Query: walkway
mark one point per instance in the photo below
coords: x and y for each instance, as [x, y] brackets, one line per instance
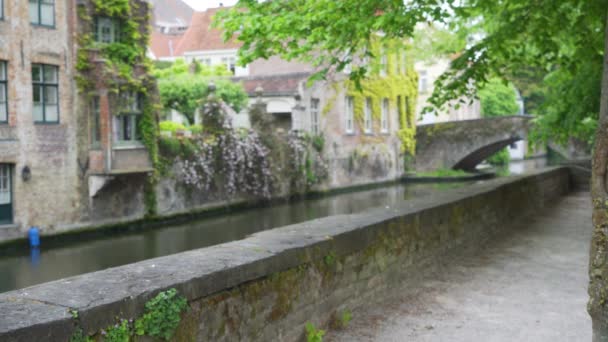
[527, 285]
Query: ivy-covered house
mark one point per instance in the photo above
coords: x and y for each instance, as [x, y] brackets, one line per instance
[367, 133]
[76, 110]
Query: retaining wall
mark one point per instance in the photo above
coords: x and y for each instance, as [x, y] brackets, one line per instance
[266, 287]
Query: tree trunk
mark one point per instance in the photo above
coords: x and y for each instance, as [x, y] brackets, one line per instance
[598, 257]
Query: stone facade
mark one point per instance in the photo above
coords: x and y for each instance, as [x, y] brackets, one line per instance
[49, 150]
[58, 154]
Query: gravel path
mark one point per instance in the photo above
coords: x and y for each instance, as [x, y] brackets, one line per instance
[529, 284]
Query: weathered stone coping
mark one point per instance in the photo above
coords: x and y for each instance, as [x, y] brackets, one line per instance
[42, 312]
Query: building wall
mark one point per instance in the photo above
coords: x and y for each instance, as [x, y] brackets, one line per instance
[50, 197]
[428, 73]
[217, 57]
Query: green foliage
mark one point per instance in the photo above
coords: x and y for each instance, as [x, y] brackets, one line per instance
[500, 158]
[330, 259]
[79, 336]
[318, 142]
[443, 173]
[162, 315]
[120, 332]
[345, 319]
[313, 334]
[519, 40]
[170, 126]
[186, 93]
[570, 108]
[498, 99]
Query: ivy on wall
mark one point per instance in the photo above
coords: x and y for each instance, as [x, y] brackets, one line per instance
[399, 86]
[125, 68]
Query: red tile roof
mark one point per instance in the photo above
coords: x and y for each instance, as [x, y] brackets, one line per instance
[202, 37]
[285, 84]
[164, 45]
[176, 12]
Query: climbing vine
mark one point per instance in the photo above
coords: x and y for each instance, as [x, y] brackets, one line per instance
[399, 85]
[161, 318]
[122, 67]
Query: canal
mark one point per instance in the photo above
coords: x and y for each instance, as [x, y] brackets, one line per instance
[26, 269]
[19, 271]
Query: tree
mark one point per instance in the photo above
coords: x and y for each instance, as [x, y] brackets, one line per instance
[519, 34]
[498, 99]
[184, 87]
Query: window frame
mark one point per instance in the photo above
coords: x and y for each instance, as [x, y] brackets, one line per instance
[39, 6]
[115, 27]
[95, 123]
[349, 104]
[368, 108]
[43, 86]
[315, 127]
[384, 110]
[1, 10]
[130, 109]
[383, 63]
[423, 76]
[4, 83]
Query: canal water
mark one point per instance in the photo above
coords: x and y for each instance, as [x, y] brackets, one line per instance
[19, 271]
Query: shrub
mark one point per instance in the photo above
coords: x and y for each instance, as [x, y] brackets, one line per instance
[170, 126]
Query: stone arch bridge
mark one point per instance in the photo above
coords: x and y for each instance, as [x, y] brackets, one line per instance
[464, 144]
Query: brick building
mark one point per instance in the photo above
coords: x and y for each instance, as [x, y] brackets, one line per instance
[55, 140]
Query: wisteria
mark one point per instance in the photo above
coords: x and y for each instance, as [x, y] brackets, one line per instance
[235, 161]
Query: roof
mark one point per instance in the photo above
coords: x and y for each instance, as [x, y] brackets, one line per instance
[285, 84]
[200, 36]
[174, 12]
[164, 45]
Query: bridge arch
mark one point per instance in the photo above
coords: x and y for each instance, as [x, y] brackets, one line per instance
[465, 144]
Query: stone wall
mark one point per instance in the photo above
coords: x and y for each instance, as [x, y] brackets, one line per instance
[268, 286]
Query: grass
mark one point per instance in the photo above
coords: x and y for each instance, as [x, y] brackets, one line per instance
[443, 173]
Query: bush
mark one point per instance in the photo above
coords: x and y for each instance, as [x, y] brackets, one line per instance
[501, 157]
[170, 126]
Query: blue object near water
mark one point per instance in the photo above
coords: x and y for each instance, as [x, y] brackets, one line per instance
[34, 237]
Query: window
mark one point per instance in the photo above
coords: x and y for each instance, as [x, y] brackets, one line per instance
[408, 112]
[403, 63]
[46, 93]
[1, 9]
[350, 115]
[314, 116]
[383, 63]
[368, 116]
[42, 12]
[107, 30]
[423, 82]
[206, 61]
[384, 116]
[95, 124]
[3, 93]
[230, 63]
[127, 121]
[6, 194]
[399, 111]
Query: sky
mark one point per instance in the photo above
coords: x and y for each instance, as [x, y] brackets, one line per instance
[201, 5]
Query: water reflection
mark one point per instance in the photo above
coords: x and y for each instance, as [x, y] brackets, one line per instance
[45, 265]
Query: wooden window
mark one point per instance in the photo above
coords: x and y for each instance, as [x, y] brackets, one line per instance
[384, 116]
[107, 30]
[3, 93]
[367, 122]
[42, 12]
[350, 115]
[126, 123]
[314, 116]
[45, 80]
[6, 194]
[95, 122]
